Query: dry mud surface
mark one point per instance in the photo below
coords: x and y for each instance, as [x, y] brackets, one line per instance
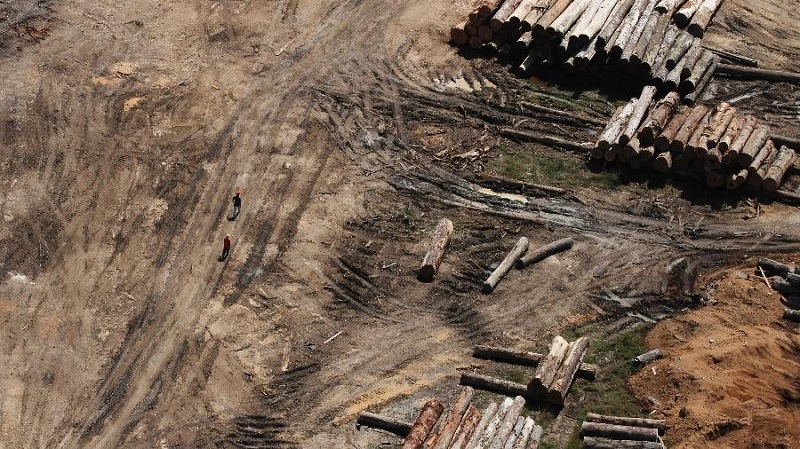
[125, 127]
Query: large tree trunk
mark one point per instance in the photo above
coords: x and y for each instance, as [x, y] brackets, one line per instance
[763, 154]
[515, 433]
[545, 251]
[685, 13]
[701, 148]
[736, 179]
[503, 13]
[525, 358]
[658, 118]
[670, 36]
[638, 53]
[433, 258]
[466, 428]
[493, 384]
[690, 60]
[773, 267]
[488, 414]
[778, 169]
[682, 44]
[536, 437]
[639, 111]
[540, 7]
[572, 37]
[506, 426]
[568, 18]
[664, 141]
[448, 429]
[616, 125]
[792, 315]
[633, 39]
[627, 28]
[547, 370]
[606, 443]
[519, 14]
[695, 91]
[659, 424]
[591, 29]
[596, 429]
[556, 9]
[615, 19]
[488, 7]
[755, 179]
[702, 17]
[754, 143]
[695, 118]
[396, 426]
[505, 266]
[656, 40]
[566, 373]
[422, 427]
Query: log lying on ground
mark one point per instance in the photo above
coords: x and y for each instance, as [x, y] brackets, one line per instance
[566, 373]
[647, 357]
[525, 358]
[639, 110]
[422, 427]
[536, 437]
[546, 371]
[503, 13]
[754, 179]
[754, 143]
[773, 267]
[616, 17]
[692, 57]
[498, 440]
[757, 74]
[448, 429]
[730, 134]
[487, 416]
[792, 315]
[659, 35]
[524, 435]
[396, 426]
[733, 57]
[613, 431]
[658, 118]
[695, 93]
[659, 424]
[777, 170]
[494, 423]
[520, 186]
[466, 428]
[493, 384]
[545, 139]
[519, 14]
[512, 438]
[607, 443]
[682, 44]
[732, 155]
[783, 286]
[702, 17]
[616, 125]
[636, 34]
[539, 9]
[684, 14]
[688, 128]
[433, 258]
[505, 266]
[715, 122]
[545, 251]
[590, 29]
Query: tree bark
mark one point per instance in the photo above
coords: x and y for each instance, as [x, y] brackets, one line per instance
[630, 151]
[396, 426]
[487, 415]
[763, 154]
[688, 127]
[616, 125]
[556, 9]
[627, 28]
[544, 252]
[544, 139]
[639, 110]
[733, 130]
[466, 428]
[685, 13]
[536, 437]
[520, 12]
[615, 19]
[678, 50]
[702, 17]
[606, 443]
[422, 427]
[717, 118]
[503, 13]
[758, 74]
[600, 18]
[648, 356]
[573, 35]
[433, 258]
[564, 22]
[515, 433]
[525, 434]
[659, 424]
[736, 179]
[754, 143]
[720, 126]
[657, 38]
[755, 179]
[547, 370]
[633, 39]
[659, 117]
[566, 373]
[778, 169]
[525, 358]
[494, 424]
[747, 123]
[691, 58]
[458, 35]
[668, 7]
[617, 432]
[493, 384]
[448, 429]
[498, 441]
[699, 87]
[637, 55]
[540, 7]
[663, 162]
[505, 266]
[670, 37]
[664, 141]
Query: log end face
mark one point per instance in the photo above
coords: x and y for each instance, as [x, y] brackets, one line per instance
[426, 273]
[486, 288]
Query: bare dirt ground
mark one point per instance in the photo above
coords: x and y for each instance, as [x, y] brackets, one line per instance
[126, 128]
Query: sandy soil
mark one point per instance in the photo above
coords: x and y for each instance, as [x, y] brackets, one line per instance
[126, 127]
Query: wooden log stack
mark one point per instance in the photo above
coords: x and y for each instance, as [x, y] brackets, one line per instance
[605, 432]
[600, 38]
[557, 370]
[719, 146]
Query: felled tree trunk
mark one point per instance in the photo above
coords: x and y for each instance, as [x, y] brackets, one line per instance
[505, 266]
[664, 140]
[488, 415]
[493, 384]
[659, 424]
[547, 370]
[778, 169]
[735, 147]
[525, 358]
[422, 427]
[568, 18]
[773, 267]
[525, 434]
[544, 252]
[682, 44]
[448, 429]
[659, 116]
[607, 443]
[754, 143]
[616, 125]
[507, 424]
[503, 13]
[396, 426]
[759, 74]
[458, 35]
[702, 17]
[617, 16]
[566, 373]
[466, 428]
[792, 315]
[763, 154]
[663, 162]
[491, 428]
[685, 13]
[733, 130]
[547, 19]
[433, 258]
[695, 118]
[488, 7]
[596, 429]
[627, 28]
[640, 109]
[720, 126]
[656, 40]
[636, 34]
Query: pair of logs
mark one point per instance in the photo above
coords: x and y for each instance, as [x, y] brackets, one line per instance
[493, 384]
[525, 358]
[659, 424]
[422, 427]
[555, 373]
[619, 432]
[449, 428]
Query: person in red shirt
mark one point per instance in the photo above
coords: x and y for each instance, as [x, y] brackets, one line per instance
[226, 247]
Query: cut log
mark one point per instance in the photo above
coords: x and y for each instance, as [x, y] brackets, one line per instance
[668, 7]
[639, 110]
[556, 9]
[448, 429]
[659, 424]
[663, 162]
[572, 36]
[696, 116]
[458, 35]
[616, 125]
[505, 266]
[747, 124]
[433, 258]
[545, 139]
[720, 126]
[487, 415]
[540, 7]
[792, 315]
[525, 434]
[525, 358]
[758, 74]
[564, 22]
[702, 17]
[488, 7]
[754, 143]
[536, 437]
[631, 151]
[608, 443]
[396, 426]
[732, 57]
[633, 39]
[491, 428]
[755, 179]
[777, 170]
[617, 432]
[466, 428]
[524, 42]
[763, 154]
[714, 122]
[783, 286]
[735, 180]
[656, 40]
[690, 59]
[679, 48]
[493, 384]
[547, 370]
[422, 427]
[731, 132]
[664, 140]
[544, 252]
[658, 118]
[615, 19]
[599, 19]
[637, 55]
[701, 84]
[647, 357]
[627, 28]
[522, 10]
[566, 372]
[515, 433]
[506, 426]
[647, 154]
[773, 267]
[503, 13]
[673, 78]
[663, 50]
[685, 13]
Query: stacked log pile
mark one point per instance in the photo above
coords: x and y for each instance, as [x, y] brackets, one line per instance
[785, 280]
[555, 373]
[718, 145]
[600, 37]
[498, 426]
[605, 432]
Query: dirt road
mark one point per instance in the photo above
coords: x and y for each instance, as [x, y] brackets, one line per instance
[128, 127]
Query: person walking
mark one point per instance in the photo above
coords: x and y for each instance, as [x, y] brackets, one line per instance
[237, 205]
[226, 247]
